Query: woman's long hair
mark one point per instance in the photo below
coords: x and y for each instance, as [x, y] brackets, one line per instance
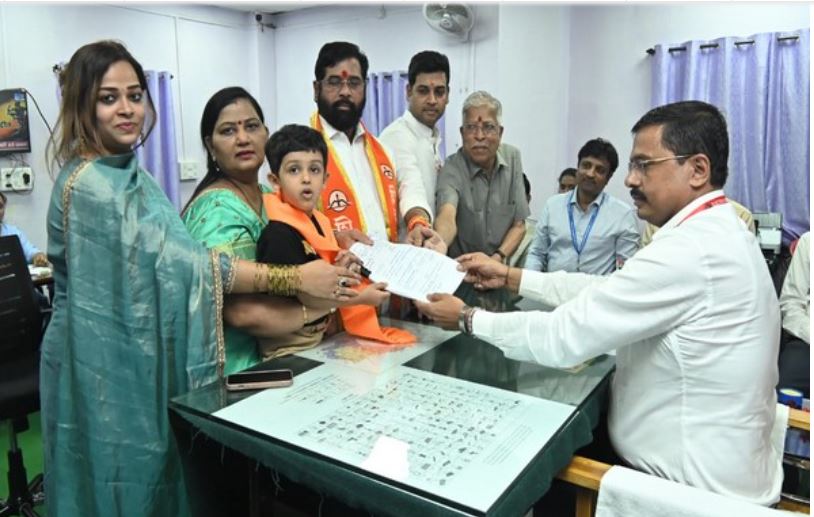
[211, 112]
[76, 131]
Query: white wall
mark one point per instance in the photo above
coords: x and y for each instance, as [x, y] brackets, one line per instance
[205, 48]
[534, 64]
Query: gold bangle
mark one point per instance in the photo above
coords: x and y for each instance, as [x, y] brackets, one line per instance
[258, 278]
[282, 280]
[304, 316]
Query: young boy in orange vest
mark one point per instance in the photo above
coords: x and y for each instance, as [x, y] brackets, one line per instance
[298, 233]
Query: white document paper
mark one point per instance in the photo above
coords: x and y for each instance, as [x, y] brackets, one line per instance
[462, 441]
[409, 271]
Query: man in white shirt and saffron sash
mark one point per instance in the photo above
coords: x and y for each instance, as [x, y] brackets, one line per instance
[693, 316]
[363, 191]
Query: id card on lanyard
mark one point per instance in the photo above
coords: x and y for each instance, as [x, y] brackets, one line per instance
[581, 246]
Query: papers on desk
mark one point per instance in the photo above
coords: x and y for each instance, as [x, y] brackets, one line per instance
[462, 441]
[409, 271]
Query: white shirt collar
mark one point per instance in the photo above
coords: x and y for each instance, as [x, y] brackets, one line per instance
[687, 210]
[418, 127]
[333, 132]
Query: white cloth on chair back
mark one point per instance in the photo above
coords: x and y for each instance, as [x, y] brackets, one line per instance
[624, 492]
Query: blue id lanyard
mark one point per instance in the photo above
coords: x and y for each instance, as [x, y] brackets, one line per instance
[581, 246]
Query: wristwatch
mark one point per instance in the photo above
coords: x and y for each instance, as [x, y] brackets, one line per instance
[462, 319]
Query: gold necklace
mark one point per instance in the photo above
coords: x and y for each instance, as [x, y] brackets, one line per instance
[245, 196]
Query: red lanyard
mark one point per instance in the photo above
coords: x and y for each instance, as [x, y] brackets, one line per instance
[720, 200]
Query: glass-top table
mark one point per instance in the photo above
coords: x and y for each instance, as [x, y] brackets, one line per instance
[377, 428]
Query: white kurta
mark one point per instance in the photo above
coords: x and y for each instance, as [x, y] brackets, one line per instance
[416, 149]
[696, 322]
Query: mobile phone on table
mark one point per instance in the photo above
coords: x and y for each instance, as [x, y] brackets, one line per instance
[259, 379]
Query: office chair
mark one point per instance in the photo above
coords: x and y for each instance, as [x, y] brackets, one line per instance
[20, 337]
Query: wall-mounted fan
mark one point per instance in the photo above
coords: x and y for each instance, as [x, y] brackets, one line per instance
[453, 19]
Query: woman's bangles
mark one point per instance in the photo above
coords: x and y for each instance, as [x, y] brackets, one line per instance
[277, 280]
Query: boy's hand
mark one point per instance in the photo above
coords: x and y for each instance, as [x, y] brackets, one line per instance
[346, 238]
[375, 294]
[347, 259]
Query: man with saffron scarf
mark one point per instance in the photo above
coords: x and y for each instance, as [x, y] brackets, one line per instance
[362, 191]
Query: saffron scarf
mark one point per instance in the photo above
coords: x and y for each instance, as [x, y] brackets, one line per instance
[358, 320]
[338, 199]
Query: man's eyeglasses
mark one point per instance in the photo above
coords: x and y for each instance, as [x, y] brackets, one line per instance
[487, 129]
[642, 165]
[334, 83]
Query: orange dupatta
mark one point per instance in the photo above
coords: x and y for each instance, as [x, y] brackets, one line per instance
[338, 199]
[358, 320]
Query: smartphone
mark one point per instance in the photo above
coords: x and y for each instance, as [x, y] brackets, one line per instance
[259, 379]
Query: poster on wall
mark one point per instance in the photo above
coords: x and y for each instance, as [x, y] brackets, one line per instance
[14, 133]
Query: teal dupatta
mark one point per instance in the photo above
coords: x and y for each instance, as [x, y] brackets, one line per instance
[136, 321]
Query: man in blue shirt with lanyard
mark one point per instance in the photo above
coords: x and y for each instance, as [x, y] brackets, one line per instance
[586, 230]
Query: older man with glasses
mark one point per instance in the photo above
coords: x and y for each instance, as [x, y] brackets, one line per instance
[693, 318]
[480, 198]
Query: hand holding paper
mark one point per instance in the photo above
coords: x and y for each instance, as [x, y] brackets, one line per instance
[409, 271]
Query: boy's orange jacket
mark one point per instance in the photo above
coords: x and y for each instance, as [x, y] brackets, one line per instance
[358, 320]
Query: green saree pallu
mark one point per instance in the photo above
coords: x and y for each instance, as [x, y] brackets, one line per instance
[136, 321]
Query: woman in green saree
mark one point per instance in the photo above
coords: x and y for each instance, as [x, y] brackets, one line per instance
[137, 307]
[226, 213]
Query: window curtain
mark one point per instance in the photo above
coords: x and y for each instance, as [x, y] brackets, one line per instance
[387, 101]
[159, 154]
[761, 84]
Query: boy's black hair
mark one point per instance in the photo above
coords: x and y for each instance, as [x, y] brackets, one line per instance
[290, 139]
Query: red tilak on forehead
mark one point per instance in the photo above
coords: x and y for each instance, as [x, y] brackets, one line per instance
[344, 74]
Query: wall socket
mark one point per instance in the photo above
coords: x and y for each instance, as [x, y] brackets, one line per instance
[188, 170]
[14, 179]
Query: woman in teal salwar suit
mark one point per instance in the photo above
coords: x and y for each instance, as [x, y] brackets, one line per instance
[137, 307]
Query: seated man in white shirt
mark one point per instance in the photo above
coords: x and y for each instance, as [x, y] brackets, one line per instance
[414, 137]
[363, 192]
[795, 309]
[586, 230]
[693, 317]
